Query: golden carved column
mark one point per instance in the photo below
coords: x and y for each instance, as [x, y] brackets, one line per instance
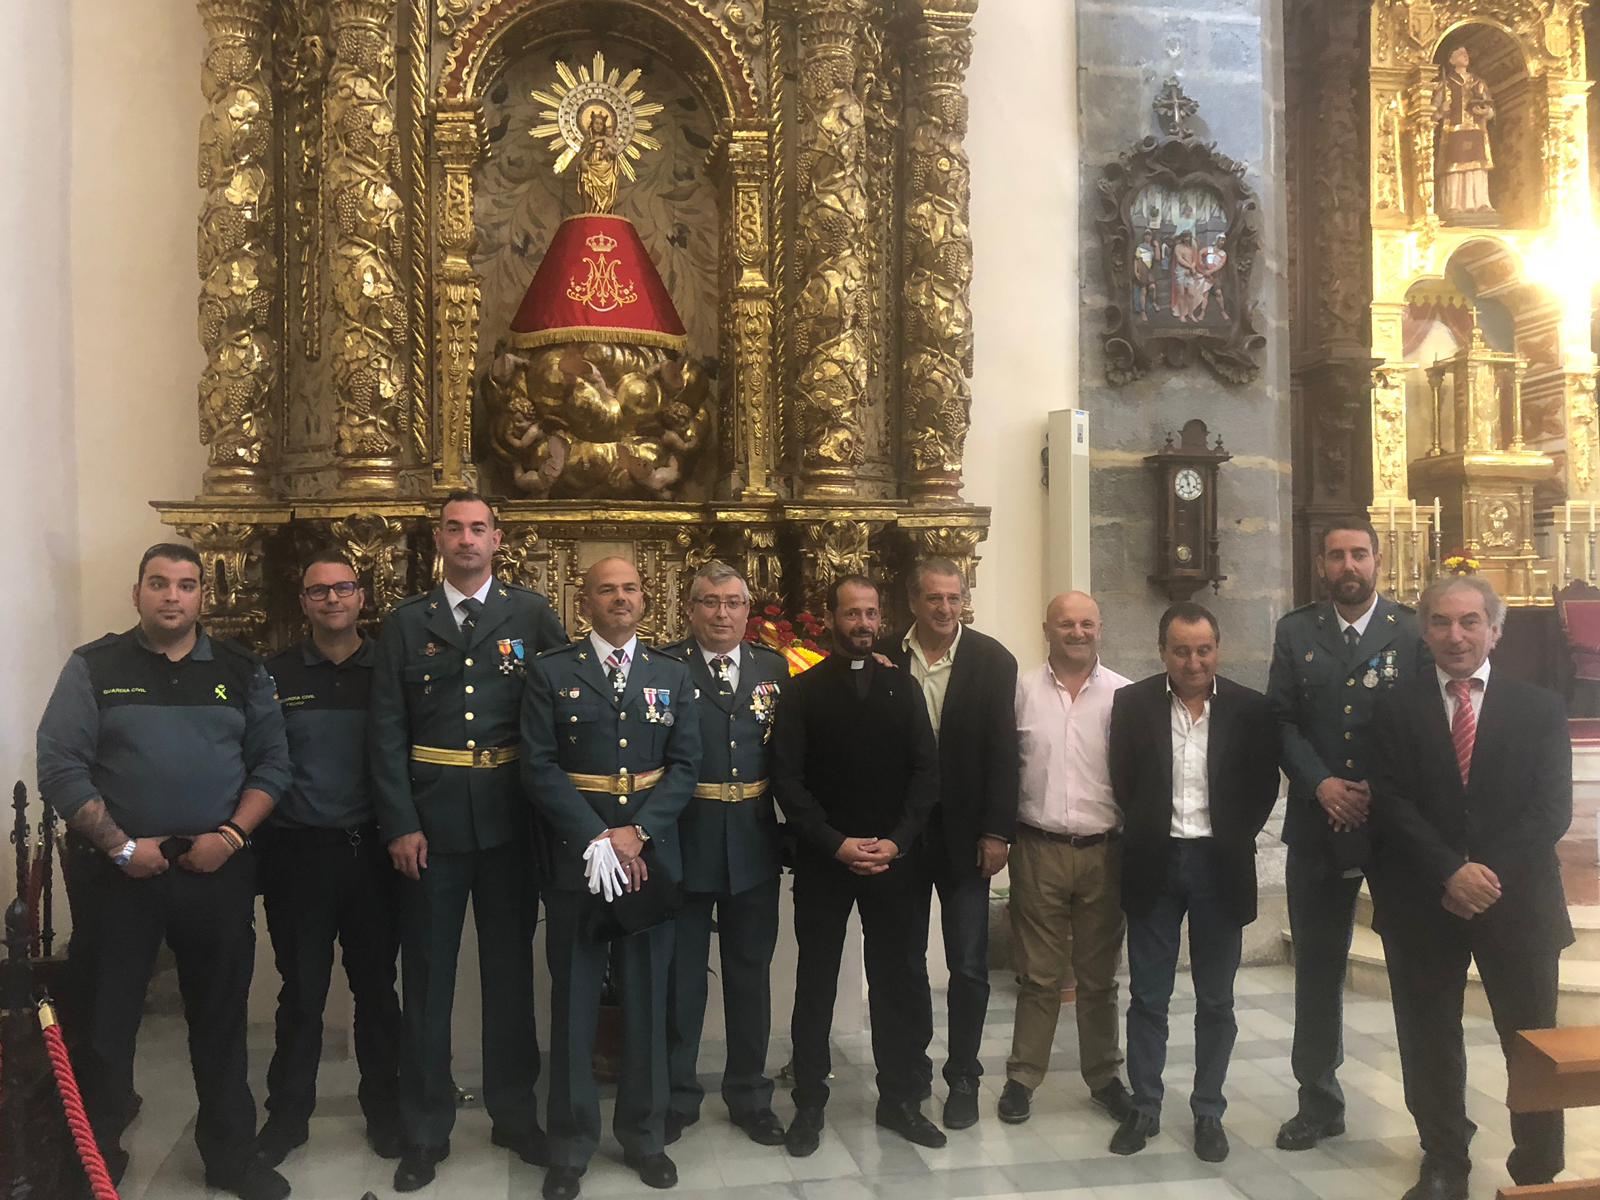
[752, 289]
[459, 142]
[238, 262]
[233, 595]
[370, 321]
[828, 550]
[830, 333]
[936, 361]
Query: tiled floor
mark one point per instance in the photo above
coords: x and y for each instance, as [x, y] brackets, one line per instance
[1060, 1153]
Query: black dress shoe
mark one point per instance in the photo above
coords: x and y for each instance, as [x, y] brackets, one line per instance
[906, 1119]
[562, 1183]
[277, 1138]
[1210, 1142]
[677, 1122]
[253, 1181]
[1114, 1098]
[961, 1105]
[416, 1168]
[762, 1127]
[804, 1134]
[531, 1147]
[1436, 1184]
[1134, 1132]
[655, 1170]
[1301, 1132]
[1016, 1103]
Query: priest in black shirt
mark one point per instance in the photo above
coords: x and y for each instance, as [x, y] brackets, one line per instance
[856, 772]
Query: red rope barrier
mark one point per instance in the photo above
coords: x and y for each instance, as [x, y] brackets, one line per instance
[94, 1166]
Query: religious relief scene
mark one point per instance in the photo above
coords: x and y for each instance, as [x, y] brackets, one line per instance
[802, 600]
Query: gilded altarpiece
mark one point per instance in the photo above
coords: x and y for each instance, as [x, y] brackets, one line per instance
[1444, 247]
[373, 204]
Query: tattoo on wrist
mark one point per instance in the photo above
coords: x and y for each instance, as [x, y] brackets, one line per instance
[94, 823]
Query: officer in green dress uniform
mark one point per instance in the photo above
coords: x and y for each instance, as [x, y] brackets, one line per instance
[1330, 663]
[442, 735]
[611, 755]
[731, 860]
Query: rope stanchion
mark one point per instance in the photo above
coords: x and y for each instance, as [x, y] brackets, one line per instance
[94, 1166]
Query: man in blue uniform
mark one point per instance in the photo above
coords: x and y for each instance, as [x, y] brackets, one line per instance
[1331, 662]
[731, 863]
[163, 749]
[442, 731]
[325, 876]
[611, 755]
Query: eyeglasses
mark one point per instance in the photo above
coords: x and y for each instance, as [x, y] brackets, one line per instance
[712, 603]
[344, 589]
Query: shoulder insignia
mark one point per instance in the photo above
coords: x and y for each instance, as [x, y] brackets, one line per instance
[105, 639]
[410, 600]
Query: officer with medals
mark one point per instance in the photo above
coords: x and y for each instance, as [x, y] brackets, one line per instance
[730, 838]
[611, 756]
[1330, 663]
[442, 735]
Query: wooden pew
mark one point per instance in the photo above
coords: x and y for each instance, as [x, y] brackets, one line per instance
[1552, 1069]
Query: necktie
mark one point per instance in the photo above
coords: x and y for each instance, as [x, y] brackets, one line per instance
[615, 661]
[471, 609]
[1463, 726]
[1352, 636]
[720, 664]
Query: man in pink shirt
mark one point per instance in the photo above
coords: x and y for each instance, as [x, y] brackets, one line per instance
[1066, 862]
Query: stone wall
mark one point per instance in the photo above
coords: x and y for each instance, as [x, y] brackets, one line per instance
[1228, 55]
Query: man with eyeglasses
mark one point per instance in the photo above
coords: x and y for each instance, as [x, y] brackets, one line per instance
[325, 875]
[442, 737]
[729, 835]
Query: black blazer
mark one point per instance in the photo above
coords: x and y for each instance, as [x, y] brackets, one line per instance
[1517, 806]
[1241, 773]
[978, 757]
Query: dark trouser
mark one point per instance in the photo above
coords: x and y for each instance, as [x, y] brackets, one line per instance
[964, 918]
[322, 886]
[208, 920]
[897, 973]
[1215, 943]
[1428, 978]
[642, 962]
[505, 908]
[747, 933]
[1322, 916]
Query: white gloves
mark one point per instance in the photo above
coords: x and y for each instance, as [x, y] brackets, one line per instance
[603, 869]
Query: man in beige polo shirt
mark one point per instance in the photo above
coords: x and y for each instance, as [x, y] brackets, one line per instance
[1066, 862]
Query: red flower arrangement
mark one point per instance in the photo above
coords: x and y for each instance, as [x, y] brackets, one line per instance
[804, 647]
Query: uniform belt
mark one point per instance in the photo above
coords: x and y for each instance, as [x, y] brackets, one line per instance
[1078, 841]
[621, 784]
[731, 792]
[492, 756]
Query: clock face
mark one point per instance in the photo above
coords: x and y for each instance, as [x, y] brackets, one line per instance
[1186, 484]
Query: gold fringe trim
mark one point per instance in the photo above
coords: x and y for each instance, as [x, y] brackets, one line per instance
[599, 333]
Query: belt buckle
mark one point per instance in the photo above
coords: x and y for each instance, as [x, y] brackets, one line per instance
[486, 758]
[735, 790]
[624, 784]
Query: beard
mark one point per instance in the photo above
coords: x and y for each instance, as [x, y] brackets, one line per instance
[1352, 589]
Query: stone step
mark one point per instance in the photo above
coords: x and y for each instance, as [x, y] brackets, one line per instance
[1585, 927]
[1580, 982]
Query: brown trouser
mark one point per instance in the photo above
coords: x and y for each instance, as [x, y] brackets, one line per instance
[1065, 900]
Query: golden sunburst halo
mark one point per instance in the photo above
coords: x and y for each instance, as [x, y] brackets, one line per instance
[575, 95]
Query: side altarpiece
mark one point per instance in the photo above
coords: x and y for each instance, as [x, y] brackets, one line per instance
[372, 195]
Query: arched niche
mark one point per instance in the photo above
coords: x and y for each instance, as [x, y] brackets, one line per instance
[1483, 284]
[1516, 181]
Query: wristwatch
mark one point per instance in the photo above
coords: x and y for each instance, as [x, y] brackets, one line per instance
[639, 830]
[124, 856]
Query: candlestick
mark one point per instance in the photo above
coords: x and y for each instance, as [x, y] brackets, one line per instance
[1568, 508]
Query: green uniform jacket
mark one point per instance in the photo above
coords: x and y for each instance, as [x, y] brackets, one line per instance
[432, 687]
[730, 847]
[571, 721]
[1324, 694]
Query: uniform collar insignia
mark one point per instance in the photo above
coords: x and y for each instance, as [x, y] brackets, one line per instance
[583, 656]
[503, 592]
[433, 606]
[1389, 617]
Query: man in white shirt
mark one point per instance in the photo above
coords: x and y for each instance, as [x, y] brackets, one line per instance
[1066, 863]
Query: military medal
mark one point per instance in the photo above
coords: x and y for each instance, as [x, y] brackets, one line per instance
[1309, 655]
[1370, 679]
[431, 648]
[650, 711]
[1391, 670]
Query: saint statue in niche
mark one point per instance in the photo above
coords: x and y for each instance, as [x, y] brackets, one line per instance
[597, 161]
[1465, 158]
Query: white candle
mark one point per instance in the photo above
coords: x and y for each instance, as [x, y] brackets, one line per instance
[1569, 515]
[1436, 526]
[1413, 518]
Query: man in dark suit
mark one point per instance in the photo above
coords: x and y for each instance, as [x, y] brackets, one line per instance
[611, 754]
[442, 740]
[856, 771]
[1471, 791]
[969, 682]
[1331, 662]
[731, 860]
[1194, 768]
